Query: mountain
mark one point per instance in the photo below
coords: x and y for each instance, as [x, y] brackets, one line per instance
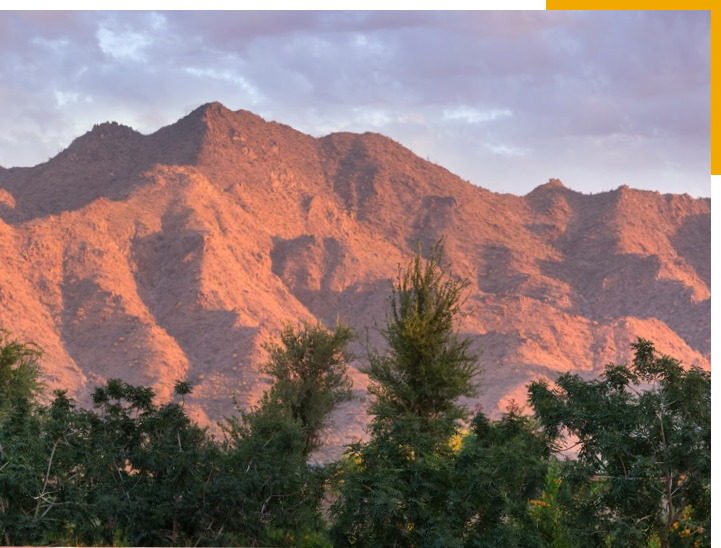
[176, 255]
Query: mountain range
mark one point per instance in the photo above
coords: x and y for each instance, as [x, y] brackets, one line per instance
[177, 255]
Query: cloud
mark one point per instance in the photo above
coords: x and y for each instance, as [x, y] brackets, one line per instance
[471, 115]
[524, 95]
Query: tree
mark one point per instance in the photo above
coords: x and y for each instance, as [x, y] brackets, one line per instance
[309, 371]
[19, 371]
[274, 493]
[426, 367]
[549, 512]
[394, 491]
[500, 469]
[140, 472]
[271, 494]
[644, 450]
[131, 471]
[23, 456]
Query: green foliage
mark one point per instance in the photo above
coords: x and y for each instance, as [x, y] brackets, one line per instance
[309, 371]
[22, 460]
[22, 444]
[476, 496]
[393, 496]
[129, 471]
[147, 468]
[19, 372]
[269, 489]
[426, 367]
[132, 472]
[549, 512]
[501, 467]
[644, 441]
[397, 492]
[275, 495]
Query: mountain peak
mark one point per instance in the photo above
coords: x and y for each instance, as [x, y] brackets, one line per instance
[218, 111]
[214, 108]
[104, 141]
[112, 127]
[550, 186]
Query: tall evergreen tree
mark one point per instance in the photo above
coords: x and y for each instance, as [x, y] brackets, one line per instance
[394, 490]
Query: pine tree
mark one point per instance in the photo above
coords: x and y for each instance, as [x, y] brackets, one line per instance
[393, 490]
[427, 367]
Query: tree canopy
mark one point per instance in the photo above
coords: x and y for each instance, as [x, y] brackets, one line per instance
[397, 491]
[19, 371]
[131, 471]
[309, 372]
[643, 434]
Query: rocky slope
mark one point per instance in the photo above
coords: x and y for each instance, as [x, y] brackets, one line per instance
[176, 255]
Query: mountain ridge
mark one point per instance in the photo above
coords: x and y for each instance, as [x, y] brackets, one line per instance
[176, 255]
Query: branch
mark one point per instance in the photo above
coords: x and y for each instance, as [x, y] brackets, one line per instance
[254, 452]
[639, 520]
[52, 503]
[672, 516]
[569, 447]
[47, 477]
[265, 503]
[623, 465]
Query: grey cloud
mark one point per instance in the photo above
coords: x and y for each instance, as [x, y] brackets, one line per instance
[608, 90]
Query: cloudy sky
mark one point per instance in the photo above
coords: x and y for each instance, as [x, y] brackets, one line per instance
[506, 100]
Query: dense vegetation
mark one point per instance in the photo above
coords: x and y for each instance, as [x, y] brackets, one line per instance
[131, 472]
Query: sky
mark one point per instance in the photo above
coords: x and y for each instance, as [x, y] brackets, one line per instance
[506, 100]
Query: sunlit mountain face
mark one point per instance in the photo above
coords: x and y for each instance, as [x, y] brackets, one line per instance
[177, 255]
